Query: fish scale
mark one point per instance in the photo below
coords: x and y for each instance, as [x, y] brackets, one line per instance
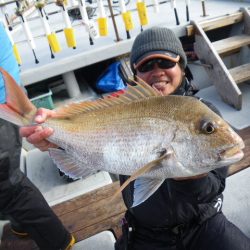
[131, 147]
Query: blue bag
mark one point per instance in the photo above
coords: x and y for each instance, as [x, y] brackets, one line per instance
[111, 80]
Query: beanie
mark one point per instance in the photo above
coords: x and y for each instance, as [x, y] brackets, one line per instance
[156, 39]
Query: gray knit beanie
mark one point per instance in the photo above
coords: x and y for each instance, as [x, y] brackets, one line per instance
[156, 39]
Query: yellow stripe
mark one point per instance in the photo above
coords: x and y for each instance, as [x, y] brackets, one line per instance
[17, 55]
[72, 242]
[127, 18]
[103, 26]
[53, 42]
[143, 14]
[70, 37]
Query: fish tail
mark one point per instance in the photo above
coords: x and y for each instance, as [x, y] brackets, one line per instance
[17, 109]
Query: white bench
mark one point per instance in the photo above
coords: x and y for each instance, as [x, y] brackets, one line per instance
[101, 241]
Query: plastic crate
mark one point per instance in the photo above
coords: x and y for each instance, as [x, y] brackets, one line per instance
[43, 101]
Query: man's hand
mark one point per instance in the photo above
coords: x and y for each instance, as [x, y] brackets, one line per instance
[37, 135]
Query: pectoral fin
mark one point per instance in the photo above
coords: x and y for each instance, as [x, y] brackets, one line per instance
[143, 170]
[69, 165]
[144, 188]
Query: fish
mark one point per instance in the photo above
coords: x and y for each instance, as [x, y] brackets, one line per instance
[138, 133]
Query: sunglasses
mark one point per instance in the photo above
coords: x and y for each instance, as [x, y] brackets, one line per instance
[162, 64]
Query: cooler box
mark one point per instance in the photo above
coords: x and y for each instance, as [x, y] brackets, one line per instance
[43, 100]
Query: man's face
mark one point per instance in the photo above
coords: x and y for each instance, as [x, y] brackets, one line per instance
[165, 80]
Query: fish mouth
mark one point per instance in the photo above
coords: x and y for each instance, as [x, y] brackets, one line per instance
[232, 154]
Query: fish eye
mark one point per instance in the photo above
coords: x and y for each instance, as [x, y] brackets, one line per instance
[208, 127]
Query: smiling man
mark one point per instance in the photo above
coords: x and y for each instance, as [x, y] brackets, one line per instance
[158, 58]
[183, 214]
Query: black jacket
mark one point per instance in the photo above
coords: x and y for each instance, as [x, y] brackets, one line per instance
[21, 201]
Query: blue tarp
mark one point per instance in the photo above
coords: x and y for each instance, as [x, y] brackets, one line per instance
[111, 80]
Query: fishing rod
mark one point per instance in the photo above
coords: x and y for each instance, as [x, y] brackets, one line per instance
[113, 21]
[143, 14]
[14, 46]
[156, 6]
[45, 13]
[7, 21]
[5, 14]
[90, 26]
[51, 36]
[187, 9]
[127, 18]
[4, 3]
[102, 20]
[203, 8]
[173, 4]
[43, 35]
[69, 32]
[30, 40]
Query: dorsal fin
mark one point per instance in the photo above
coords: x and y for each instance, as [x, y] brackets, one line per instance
[142, 86]
[133, 93]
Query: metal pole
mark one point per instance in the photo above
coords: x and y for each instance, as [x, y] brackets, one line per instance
[113, 21]
[203, 8]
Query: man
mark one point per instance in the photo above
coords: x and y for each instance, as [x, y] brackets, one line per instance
[20, 200]
[184, 213]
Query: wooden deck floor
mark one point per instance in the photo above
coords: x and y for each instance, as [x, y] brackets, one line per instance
[96, 211]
